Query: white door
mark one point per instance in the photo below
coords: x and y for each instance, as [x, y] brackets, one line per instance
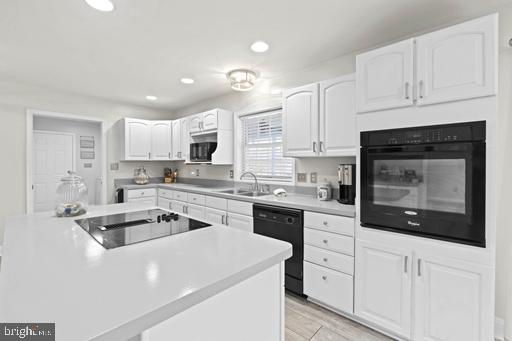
[176, 139]
[185, 140]
[214, 216]
[138, 136]
[240, 221]
[164, 203]
[383, 286]
[384, 77]
[338, 116]
[160, 140]
[300, 121]
[452, 300]
[195, 123]
[458, 62]
[210, 120]
[53, 155]
[195, 211]
[178, 206]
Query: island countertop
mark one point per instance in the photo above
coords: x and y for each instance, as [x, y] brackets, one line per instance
[53, 271]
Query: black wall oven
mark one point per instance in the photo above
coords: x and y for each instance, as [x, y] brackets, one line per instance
[427, 181]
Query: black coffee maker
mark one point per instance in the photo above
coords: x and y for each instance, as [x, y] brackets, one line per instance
[347, 181]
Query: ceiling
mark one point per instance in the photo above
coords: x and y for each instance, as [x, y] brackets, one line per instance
[144, 47]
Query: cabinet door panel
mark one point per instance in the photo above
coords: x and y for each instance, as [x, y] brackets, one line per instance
[160, 140]
[383, 286]
[176, 139]
[458, 62]
[164, 203]
[138, 136]
[338, 116]
[195, 123]
[178, 206]
[195, 211]
[384, 77]
[214, 216]
[300, 121]
[241, 222]
[184, 140]
[450, 302]
[209, 120]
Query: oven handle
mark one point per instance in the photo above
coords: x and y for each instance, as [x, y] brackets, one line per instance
[435, 147]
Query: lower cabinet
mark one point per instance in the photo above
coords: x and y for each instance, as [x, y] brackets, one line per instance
[195, 211]
[422, 296]
[164, 203]
[383, 286]
[178, 206]
[240, 221]
[215, 216]
[145, 200]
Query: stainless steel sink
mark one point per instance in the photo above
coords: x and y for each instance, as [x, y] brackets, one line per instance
[244, 192]
[253, 194]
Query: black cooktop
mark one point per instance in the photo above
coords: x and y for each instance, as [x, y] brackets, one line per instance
[117, 230]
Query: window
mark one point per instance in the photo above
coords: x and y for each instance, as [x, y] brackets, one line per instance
[262, 154]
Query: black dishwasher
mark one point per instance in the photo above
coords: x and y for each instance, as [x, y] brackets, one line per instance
[287, 225]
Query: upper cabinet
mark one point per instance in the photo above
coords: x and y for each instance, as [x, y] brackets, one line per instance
[455, 63]
[195, 123]
[210, 120]
[319, 119]
[160, 140]
[135, 139]
[300, 121]
[458, 62]
[176, 140]
[184, 139]
[385, 77]
[337, 117]
[207, 122]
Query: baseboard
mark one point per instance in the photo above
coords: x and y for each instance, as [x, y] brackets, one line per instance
[499, 329]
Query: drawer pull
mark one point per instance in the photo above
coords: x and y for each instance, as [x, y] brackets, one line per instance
[324, 278]
[325, 259]
[325, 223]
[325, 241]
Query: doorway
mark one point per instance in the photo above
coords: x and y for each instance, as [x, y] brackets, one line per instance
[58, 143]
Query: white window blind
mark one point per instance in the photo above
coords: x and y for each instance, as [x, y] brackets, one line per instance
[263, 147]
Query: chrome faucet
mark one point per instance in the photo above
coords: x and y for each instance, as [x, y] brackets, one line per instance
[254, 187]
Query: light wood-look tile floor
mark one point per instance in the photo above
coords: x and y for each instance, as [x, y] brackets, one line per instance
[307, 321]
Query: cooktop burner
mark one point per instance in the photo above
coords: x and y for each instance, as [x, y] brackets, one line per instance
[117, 230]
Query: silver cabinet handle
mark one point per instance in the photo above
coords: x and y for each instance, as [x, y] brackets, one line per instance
[406, 261]
[420, 86]
[169, 155]
[321, 145]
[324, 278]
[406, 90]
[314, 147]
[149, 155]
[170, 205]
[325, 259]
[227, 221]
[325, 241]
[419, 267]
[325, 223]
[222, 219]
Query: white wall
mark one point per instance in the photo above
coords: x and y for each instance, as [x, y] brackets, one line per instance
[15, 99]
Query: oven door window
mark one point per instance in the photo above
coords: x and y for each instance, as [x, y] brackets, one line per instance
[420, 184]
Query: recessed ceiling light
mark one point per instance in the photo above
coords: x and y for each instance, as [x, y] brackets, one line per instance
[151, 98]
[187, 81]
[101, 5]
[242, 79]
[259, 46]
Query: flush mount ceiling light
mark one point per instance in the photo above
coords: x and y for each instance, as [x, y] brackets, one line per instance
[242, 79]
[259, 46]
[101, 5]
[151, 98]
[187, 81]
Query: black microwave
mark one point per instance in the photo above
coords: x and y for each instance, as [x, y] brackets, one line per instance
[426, 181]
[202, 151]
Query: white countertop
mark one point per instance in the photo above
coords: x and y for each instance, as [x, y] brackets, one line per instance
[53, 271]
[292, 200]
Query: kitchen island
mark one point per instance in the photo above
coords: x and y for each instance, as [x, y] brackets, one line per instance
[215, 283]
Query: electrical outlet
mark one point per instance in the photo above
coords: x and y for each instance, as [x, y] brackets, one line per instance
[302, 177]
[114, 166]
[314, 177]
[231, 174]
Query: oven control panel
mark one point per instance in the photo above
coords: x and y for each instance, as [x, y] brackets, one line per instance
[450, 133]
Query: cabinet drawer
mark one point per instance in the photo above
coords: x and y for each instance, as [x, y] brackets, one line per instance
[165, 193]
[141, 193]
[179, 195]
[329, 241]
[195, 211]
[144, 200]
[329, 223]
[330, 259]
[333, 288]
[240, 207]
[216, 202]
[197, 199]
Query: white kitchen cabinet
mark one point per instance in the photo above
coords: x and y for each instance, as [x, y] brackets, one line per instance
[176, 139]
[135, 139]
[300, 121]
[385, 77]
[458, 62]
[195, 211]
[195, 122]
[178, 206]
[210, 120]
[240, 221]
[214, 216]
[160, 140]
[144, 201]
[164, 203]
[184, 140]
[383, 284]
[205, 121]
[337, 117]
[449, 300]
